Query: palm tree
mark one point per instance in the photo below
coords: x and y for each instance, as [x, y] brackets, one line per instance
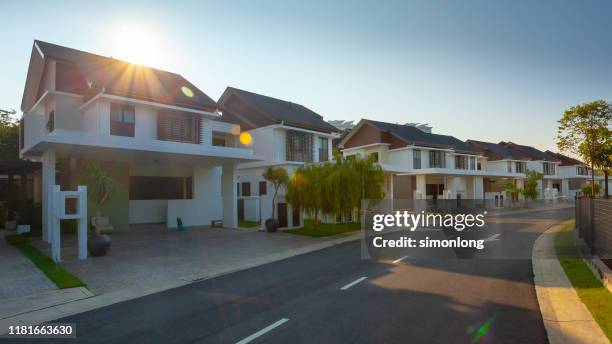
[99, 186]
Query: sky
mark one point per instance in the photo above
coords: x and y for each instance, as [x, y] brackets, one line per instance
[484, 70]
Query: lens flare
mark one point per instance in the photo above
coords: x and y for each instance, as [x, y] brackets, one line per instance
[187, 91]
[245, 138]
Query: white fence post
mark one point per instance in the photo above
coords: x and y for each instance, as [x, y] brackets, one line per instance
[82, 236]
[58, 211]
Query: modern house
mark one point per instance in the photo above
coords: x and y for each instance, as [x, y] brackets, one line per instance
[503, 166]
[417, 163]
[152, 130]
[574, 173]
[550, 185]
[283, 134]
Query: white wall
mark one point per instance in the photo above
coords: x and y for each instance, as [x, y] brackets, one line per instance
[206, 204]
[147, 211]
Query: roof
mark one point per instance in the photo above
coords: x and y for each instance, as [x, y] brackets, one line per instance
[565, 160]
[493, 151]
[126, 79]
[416, 136]
[523, 152]
[277, 111]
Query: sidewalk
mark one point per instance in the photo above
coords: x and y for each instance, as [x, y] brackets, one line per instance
[566, 318]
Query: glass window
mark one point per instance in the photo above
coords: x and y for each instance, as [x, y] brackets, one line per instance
[416, 159]
[472, 163]
[218, 141]
[165, 188]
[509, 165]
[263, 188]
[51, 121]
[323, 149]
[246, 189]
[122, 120]
[461, 162]
[374, 156]
[437, 159]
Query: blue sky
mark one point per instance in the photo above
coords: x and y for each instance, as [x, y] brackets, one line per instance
[487, 70]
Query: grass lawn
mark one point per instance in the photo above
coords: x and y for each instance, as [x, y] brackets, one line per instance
[590, 290]
[324, 229]
[57, 274]
[248, 224]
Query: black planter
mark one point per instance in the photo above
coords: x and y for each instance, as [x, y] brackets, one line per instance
[98, 245]
[271, 225]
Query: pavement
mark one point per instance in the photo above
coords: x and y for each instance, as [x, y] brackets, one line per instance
[566, 318]
[333, 295]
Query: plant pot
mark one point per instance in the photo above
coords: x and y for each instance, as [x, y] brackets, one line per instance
[271, 225]
[98, 245]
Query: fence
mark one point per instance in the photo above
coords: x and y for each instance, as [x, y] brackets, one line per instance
[594, 224]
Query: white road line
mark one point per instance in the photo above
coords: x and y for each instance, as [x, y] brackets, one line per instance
[493, 237]
[399, 259]
[353, 283]
[263, 331]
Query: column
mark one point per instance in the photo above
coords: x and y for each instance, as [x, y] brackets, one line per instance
[478, 187]
[48, 180]
[421, 183]
[228, 190]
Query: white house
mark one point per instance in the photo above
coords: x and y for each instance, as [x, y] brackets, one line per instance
[152, 130]
[575, 174]
[283, 134]
[418, 164]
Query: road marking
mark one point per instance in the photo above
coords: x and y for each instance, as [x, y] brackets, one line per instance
[493, 237]
[263, 331]
[399, 259]
[353, 283]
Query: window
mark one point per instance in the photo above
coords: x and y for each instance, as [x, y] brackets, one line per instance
[461, 162]
[238, 189]
[416, 158]
[509, 166]
[437, 159]
[374, 156]
[479, 166]
[165, 188]
[179, 127]
[298, 146]
[582, 171]
[323, 149]
[520, 167]
[218, 141]
[246, 189]
[122, 120]
[472, 163]
[51, 121]
[549, 168]
[263, 188]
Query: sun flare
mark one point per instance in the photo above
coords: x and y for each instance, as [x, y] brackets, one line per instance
[138, 44]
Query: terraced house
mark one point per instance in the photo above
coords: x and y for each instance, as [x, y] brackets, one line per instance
[283, 134]
[153, 130]
[418, 164]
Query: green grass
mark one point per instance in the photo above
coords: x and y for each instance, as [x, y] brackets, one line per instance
[593, 294]
[324, 229]
[248, 224]
[56, 273]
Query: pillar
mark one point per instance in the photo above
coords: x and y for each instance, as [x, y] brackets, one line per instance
[228, 190]
[48, 180]
[421, 182]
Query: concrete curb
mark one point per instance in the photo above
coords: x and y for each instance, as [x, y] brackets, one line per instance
[566, 318]
[91, 302]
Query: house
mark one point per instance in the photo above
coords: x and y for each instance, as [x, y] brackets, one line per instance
[550, 185]
[153, 131]
[418, 164]
[503, 166]
[574, 173]
[283, 134]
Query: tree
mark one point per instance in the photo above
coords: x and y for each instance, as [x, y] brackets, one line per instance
[278, 177]
[9, 136]
[305, 189]
[588, 189]
[100, 185]
[603, 160]
[586, 130]
[513, 190]
[530, 189]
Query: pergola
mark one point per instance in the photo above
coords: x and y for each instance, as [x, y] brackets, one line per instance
[21, 168]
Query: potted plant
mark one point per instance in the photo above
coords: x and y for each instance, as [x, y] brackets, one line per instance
[100, 185]
[278, 177]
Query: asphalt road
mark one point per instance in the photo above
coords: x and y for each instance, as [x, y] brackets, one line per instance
[335, 296]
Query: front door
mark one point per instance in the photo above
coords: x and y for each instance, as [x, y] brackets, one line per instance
[282, 214]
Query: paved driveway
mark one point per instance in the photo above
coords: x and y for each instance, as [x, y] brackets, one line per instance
[147, 257]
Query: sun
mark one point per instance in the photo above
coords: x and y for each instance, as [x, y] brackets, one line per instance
[137, 43]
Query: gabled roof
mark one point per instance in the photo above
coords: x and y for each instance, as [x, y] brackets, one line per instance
[270, 110]
[493, 151]
[88, 74]
[565, 160]
[414, 136]
[523, 152]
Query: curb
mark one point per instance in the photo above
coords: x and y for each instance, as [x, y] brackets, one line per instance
[566, 318]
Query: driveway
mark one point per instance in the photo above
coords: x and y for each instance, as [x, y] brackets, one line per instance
[148, 257]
